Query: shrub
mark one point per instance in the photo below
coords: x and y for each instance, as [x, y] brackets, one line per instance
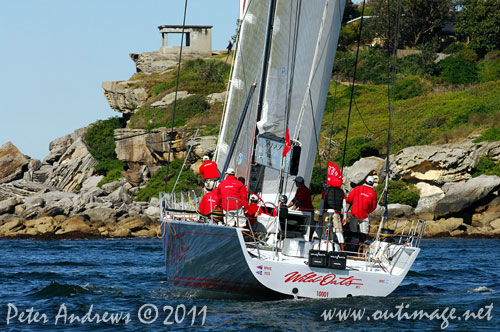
[489, 67]
[457, 70]
[359, 147]
[156, 184]
[486, 166]
[490, 135]
[454, 48]
[400, 192]
[408, 88]
[100, 138]
[101, 143]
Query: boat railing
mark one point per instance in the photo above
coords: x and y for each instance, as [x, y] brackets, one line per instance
[180, 205]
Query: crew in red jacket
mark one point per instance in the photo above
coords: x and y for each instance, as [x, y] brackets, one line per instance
[208, 203]
[209, 173]
[364, 202]
[232, 197]
[208, 170]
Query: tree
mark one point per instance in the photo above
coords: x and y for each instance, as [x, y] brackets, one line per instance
[478, 22]
[419, 20]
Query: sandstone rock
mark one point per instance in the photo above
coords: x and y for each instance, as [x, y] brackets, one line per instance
[216, 97]
[119, 196]
[169, 98]
[41, 225]
[204, 145]
[145, 232]
[495, 224]
[10, 227]
[426, 189]
[457, 232]
[433, 228]
[12, 163]
[74, 224]
[91, 182]
[8, 205]
[427, 205]
[108, 188]
[75, 164]
[450, 224]
[357, 173]
[461, 195]
[123, 96]
[433, 164]
[399, 210]
[151, 62]
[120, 232]
[134, 178]
[153, 212]
[134, 224]
[101, 214]
[33, 166]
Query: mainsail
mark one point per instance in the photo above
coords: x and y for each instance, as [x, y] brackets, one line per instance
[304, 41]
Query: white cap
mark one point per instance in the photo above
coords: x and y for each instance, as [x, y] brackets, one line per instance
[254, 198]
[230, 171]
[370, 180]
[205, 158]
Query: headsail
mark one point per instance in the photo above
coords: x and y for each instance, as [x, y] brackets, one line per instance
[304, 41]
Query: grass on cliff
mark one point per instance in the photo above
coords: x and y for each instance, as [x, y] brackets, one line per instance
[187, 108]
[440, 114]
[156, 184]
[101, 143]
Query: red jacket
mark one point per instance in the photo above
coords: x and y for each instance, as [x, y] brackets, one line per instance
[233, 188]
[364, 201]
[303, 194]
[208, 202]
[208, 170]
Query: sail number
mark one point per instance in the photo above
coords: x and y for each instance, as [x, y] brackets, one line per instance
[321, 294]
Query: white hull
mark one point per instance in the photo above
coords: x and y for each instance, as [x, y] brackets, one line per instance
[203, 256]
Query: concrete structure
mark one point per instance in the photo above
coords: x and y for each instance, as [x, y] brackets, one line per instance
[197, 39]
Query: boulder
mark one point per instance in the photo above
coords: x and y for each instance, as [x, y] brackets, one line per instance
[8, 205]
[495, 224]
[399, 210]
[432, 164]
[169, 99]
[219, 97]
[101, 214]
[124, 96]
[450, 224]
[12, 163]
[154, 62]
[427, 189]
[134, 178]
[120, 232]
[73, 224]
[133, 224]
[460, 195]
[91, 182]
[204, 145]
[357, 173]
[10, 227]
[41, 225]
[153, 212]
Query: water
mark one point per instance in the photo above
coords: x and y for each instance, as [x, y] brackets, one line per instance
[106, 277]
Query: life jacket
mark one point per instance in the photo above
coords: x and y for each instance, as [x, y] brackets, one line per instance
[334, 198]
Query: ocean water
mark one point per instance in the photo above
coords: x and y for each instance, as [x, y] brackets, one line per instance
[120, 285]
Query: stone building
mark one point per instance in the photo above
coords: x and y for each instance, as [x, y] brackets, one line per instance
[197, 39]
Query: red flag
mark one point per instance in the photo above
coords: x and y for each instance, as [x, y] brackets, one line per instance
[288, 144]
[334, 176]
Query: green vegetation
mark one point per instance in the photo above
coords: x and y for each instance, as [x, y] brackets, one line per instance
[101, 143]
[486, 166]
[490, 135]
[400, 192]
[162, 117]
[156, 184]
[458, 69]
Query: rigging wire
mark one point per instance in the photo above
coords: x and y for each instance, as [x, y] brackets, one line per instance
[330, 144]
[175, 97]
[352, 87]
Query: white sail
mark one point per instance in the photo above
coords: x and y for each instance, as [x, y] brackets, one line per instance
[313, 26]
[247, 71]
[302, 51]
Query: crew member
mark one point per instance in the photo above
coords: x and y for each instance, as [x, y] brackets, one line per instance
[208, 203]
[335, 204]
[232, 197]
[364, 202]
[209, 173]
[302, 199]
